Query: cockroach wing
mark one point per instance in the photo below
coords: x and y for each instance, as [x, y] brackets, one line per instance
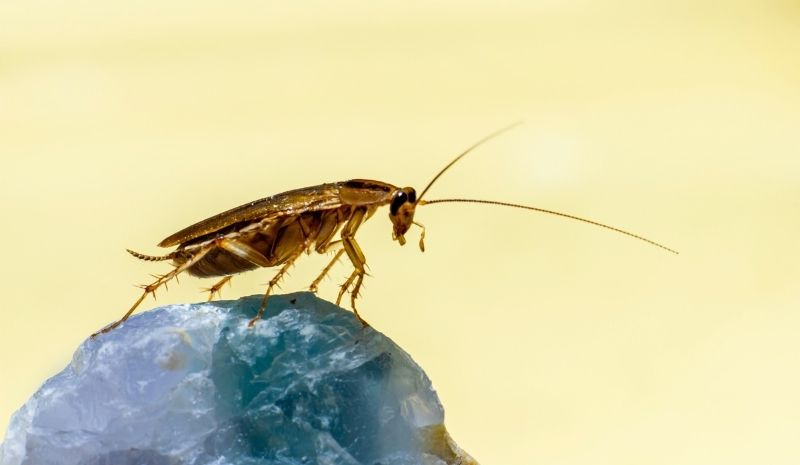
[307, 199]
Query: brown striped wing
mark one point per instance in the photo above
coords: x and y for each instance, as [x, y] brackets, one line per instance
[315, 198]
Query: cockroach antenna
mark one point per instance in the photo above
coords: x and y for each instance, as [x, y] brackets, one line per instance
[465, 152]
[514, 205]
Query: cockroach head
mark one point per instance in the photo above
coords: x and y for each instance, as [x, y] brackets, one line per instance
[404, 201]
[401, 212]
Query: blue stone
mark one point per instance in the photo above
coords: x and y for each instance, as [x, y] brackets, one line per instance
[193, 385]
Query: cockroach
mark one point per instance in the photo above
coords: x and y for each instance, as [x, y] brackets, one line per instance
[277, 230]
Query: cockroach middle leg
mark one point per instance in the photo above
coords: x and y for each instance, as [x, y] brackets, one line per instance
[152, 287]
[325, 271]
[272, 283]
[216, 289]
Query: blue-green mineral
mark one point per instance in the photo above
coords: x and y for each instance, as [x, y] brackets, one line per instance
[193, 385]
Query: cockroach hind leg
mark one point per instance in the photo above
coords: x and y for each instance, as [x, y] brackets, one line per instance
[152, 287]
[148, 289]
[107, 328]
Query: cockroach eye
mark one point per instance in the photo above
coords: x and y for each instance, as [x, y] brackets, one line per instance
[399, 199]
[412, 196]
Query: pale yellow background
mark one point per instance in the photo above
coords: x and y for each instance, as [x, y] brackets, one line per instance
[549, 341]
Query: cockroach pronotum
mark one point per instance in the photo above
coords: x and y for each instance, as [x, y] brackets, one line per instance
[276, 230]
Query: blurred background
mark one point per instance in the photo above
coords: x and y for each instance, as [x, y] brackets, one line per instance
[549, 341]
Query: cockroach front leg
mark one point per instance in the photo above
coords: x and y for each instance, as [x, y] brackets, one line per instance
[421, 237]
[354, 295]
[152, 287]
[358, 277]
[343, 288]
[356, 256]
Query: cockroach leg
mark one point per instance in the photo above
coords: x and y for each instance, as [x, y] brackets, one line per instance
[358, 277]
[217, 287]
[356, 257]
[152, 287]
[421, 237]
[349, 239]
[272, 283]
[354, 253]
[354, 295]
[344, 286]
[325, 271]
[330, 245]
[245, 251]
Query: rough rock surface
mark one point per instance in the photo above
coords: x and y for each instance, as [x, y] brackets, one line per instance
[192, 385]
